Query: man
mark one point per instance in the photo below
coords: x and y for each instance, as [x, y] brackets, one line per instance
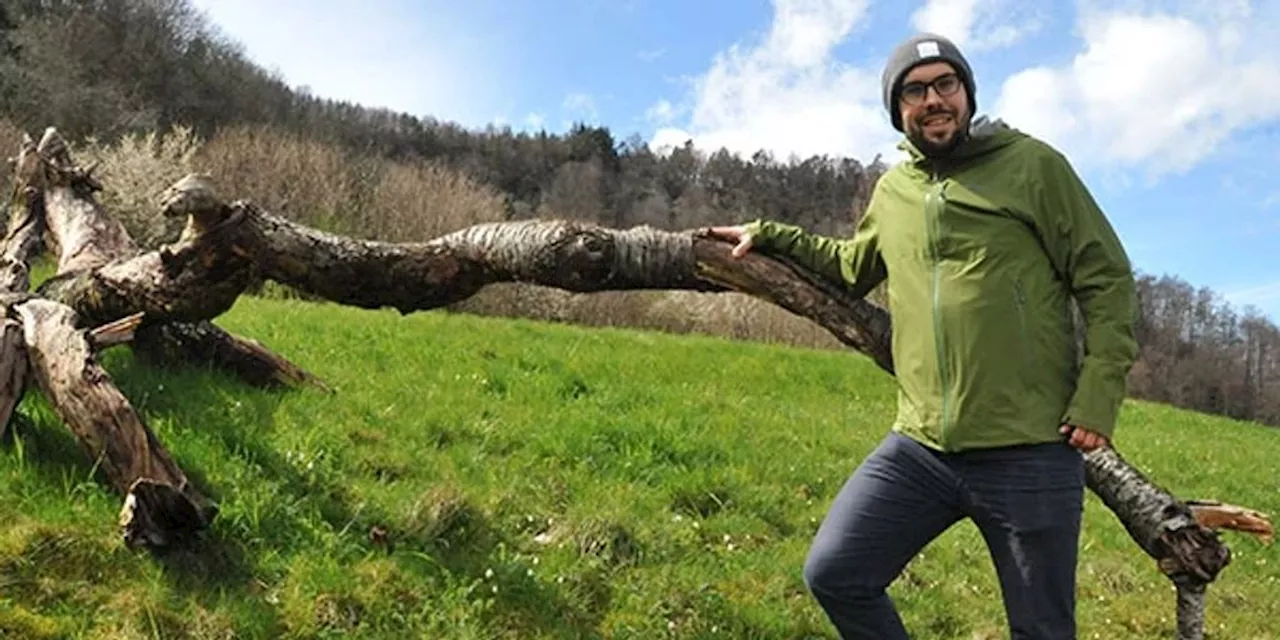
[984, 235]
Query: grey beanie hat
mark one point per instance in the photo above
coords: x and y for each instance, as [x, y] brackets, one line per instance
[919, 49]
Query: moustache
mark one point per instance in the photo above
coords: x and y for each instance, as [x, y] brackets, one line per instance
[934, 111]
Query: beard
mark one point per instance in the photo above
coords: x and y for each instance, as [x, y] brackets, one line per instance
[932, 146]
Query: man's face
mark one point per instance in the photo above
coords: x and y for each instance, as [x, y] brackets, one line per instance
[934, 106]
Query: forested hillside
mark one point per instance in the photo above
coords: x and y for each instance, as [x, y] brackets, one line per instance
[109, 72]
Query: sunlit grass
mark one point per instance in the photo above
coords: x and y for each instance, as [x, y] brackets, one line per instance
[484, 478]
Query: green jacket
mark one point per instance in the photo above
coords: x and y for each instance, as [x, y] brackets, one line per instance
[983, 253]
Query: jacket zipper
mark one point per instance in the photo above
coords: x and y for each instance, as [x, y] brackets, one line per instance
[934, 201]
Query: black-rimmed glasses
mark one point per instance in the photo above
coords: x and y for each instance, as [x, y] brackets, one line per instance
[913, 93]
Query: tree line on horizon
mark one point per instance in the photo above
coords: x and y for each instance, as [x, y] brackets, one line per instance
[104, 70]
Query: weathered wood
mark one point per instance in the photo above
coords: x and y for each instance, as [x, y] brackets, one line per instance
[176, 288]
[13, 370]
[1160, 523]
[572, 256]
[115, 333]
[161, 507]
[583, 257]
[1190, 610]
[24, 235]
[1219, 515]
[855, 322]
[191, 282]
[82, 234]
[416, 276]
[103, 277]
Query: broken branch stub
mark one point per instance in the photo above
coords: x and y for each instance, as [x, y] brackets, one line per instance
[83, 235]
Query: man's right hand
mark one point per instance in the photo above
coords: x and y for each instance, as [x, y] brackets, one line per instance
[737, 235]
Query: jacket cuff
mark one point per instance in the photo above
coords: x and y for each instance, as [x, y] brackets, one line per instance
[1096, 404]
[759, 230]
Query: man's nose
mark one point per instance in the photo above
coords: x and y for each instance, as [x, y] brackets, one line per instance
[931, 96]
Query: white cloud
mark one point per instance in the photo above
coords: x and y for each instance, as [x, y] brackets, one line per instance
[342, 50]
[787, 93]
[661, 112]
[976, 25]
[1153, 90]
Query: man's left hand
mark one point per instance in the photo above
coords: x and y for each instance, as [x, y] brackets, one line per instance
[1082, 438]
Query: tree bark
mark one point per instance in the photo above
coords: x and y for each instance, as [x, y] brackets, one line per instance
[13, 371]
[24, 236]
[82, 234]
[1162, 525]
[161, 506]
[177, 288]
[1190, 610]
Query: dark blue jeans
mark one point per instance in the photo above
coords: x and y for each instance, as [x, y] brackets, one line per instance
[1026, 501]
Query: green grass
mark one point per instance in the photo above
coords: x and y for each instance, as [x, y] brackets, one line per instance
[485, 478]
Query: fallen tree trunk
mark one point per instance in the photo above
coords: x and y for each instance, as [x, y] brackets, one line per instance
[180, 287]
[97, 265]
[587, 258]
[160, 503]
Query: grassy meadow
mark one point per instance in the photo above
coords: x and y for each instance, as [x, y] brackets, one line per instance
[493, 478]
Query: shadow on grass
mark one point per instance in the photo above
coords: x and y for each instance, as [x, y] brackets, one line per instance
[218, 564]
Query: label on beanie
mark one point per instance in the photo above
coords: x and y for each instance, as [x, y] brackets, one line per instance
[927, 49]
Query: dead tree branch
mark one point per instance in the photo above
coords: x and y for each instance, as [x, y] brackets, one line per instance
[160, 504]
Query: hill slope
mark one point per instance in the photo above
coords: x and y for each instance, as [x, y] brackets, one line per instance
[482, 478]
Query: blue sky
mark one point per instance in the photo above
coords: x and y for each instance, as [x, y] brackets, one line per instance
[1170, 109]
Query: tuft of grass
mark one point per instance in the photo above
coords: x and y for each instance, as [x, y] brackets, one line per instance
[480, 477]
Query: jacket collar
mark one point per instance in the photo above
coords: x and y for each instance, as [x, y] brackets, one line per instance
[984, 136]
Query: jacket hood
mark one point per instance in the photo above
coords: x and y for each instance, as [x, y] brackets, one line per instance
[985, 135]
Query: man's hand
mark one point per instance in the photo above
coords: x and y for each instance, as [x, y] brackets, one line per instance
[737, 235]
[1082, 438]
